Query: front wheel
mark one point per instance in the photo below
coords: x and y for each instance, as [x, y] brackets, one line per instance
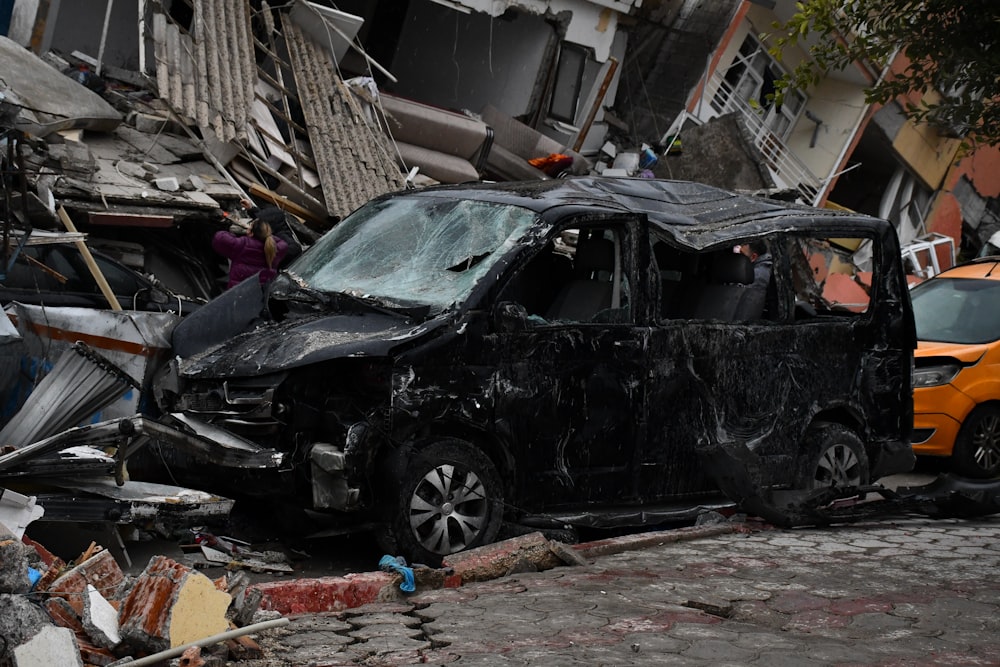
[977, 447]
[834, 457]
[449, 499]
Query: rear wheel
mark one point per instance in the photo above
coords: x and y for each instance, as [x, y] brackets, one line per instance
[449, 499]
[977, 447]
[835, 456]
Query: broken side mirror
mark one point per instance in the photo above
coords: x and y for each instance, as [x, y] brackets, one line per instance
[511, 317]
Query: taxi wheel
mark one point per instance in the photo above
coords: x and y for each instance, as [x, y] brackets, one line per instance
[449, 499]
[977, 447]
[835, 456]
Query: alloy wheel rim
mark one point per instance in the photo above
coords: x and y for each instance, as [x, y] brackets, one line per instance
[986, 444]
[448, 509]
[838, 466]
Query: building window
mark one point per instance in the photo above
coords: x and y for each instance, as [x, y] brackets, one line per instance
[568, 81]
[749, 82]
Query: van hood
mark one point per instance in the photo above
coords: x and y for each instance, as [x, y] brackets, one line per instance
[281, 346]
[968, 354]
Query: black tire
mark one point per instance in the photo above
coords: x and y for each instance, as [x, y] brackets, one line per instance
[977, 447]
[449, 499]
[833, 456]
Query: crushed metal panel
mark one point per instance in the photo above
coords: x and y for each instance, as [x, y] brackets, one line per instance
[11, 352]
[332, 28]
[206, 70]
[354, 158]
[164, 509]
[103, 434]
[133, 341]
[211, 444]
[145, 501]
[80, 383]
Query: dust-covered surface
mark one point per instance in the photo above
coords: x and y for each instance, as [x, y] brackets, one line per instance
[881, 592]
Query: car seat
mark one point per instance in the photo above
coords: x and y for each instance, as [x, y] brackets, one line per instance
[728, 276]
[590, 290]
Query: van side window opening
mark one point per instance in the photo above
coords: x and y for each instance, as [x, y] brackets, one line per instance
[726, 284]
[580, 276]
[827, 275]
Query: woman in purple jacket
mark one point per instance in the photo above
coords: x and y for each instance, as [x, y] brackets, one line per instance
[256, 251]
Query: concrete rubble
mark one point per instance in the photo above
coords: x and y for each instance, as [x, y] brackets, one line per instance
[89, 612]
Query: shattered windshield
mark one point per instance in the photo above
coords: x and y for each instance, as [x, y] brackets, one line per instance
[957, 310]
[413, 250]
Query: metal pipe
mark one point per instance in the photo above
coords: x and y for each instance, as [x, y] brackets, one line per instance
[207, 641]
[104, 36]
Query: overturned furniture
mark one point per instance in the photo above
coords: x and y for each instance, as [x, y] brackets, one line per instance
[516, 143]
[447, 146]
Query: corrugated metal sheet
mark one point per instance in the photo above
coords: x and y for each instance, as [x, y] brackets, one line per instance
[208, 73]
[354, 159]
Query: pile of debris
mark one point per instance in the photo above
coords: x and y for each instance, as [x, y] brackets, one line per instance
[89, 612]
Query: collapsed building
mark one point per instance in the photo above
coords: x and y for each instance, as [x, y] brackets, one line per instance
[131, 133]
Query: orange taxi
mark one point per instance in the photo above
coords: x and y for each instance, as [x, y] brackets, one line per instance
[956, 380]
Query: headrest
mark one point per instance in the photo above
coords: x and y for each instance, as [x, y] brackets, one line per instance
[731, 267]
[595, 255]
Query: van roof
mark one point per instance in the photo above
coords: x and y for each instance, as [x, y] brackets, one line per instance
[695, 214]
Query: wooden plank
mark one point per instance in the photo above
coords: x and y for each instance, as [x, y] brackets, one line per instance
[95, 270]
[264, 193]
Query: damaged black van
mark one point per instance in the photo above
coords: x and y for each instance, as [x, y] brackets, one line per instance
[591, 352]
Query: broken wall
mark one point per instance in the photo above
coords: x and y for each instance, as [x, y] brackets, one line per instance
[205, 68]
[669, 50]
[466, 61]
[80, 27]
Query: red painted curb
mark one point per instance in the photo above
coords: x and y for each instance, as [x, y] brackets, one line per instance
[331, 594]
[312, 596]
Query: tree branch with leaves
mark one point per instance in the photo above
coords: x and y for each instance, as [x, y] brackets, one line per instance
[939, 59]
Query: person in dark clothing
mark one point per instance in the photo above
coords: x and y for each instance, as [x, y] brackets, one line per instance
[278, 221]
[762, 262]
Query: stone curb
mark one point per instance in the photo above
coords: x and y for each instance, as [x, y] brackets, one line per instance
[333, 594]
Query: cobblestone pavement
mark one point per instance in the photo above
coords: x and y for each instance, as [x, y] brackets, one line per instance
[910, 592]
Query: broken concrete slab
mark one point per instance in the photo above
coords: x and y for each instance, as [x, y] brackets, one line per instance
[63, 615]
[169, 184]
[49, 100]
[51, 646]
[720, 153]
[100, 571]
[13, 563]
[20, 620]
[100, 619]
[171, 605]
[496, 560]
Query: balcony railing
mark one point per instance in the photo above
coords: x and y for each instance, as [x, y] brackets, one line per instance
[785, 167]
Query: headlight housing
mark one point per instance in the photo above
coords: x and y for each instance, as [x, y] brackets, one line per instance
[935, 376]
